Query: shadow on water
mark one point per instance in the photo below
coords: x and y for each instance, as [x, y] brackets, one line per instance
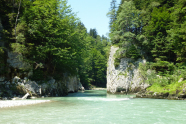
[98, 93]
[89, 93]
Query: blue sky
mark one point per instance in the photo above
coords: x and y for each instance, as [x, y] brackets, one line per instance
[93, 13]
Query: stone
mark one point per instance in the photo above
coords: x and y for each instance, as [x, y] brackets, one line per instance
[182, 96]
[30, 73]
[4, 98]
[33, 97]
[80, 87]
[155, 94]
[16, 79]
[7, 84]
[25, 80]
[14, 60]
[52, 81]
[165, 94]
[72, 83]
[20, 83]
[180, 80]
[125, 77]
[33, 87]
[2, 79]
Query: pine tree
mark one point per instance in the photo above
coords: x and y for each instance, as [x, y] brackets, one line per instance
[112, 14]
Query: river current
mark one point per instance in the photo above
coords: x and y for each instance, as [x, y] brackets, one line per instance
[97, 107]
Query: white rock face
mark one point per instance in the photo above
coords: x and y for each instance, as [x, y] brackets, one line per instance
[73, 84]
[33, 87]
[125, 77]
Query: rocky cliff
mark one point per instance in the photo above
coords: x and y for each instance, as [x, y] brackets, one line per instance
[15, 74]
[126, 77]
[19, 87]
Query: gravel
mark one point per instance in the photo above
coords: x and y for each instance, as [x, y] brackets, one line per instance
[13, 103]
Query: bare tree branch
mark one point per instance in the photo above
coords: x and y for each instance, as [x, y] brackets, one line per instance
[17, 17]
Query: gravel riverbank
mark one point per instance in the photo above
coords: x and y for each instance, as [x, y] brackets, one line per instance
[13, 103]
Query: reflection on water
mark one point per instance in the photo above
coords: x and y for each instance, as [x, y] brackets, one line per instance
[103, 99]
[98, 107]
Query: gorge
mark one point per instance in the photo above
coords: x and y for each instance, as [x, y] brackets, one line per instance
[55, 69]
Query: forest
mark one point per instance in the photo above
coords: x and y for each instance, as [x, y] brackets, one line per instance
[154, 30]
[53, 40]
[47, 35]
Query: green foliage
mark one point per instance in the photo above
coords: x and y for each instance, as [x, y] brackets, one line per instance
[47, 33]
[133, 53]
[163, 66]
[112, 14]
[154, 30]
[94, 64]
[3, 68]
[170, 88]
[150, 73]
[129, 52]
[117, 62]
[177, 34]
[53, 41]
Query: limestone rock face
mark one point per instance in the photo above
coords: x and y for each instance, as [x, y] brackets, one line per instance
[14, 60]
[73, 83]
[80, 86]
[33, 87]
[125, 77]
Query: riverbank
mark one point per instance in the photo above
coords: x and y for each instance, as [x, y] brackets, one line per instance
[99, 89]
[173, 91]
[14, 103]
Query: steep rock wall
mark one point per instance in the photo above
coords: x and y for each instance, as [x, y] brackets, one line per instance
[126, 77]
[73, 83]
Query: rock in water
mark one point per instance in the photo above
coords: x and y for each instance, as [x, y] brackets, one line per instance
[125, 77]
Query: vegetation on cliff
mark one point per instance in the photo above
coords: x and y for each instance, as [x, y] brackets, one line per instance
[48, 35]
[154, 30]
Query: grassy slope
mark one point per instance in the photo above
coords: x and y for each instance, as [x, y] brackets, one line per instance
[174, 88]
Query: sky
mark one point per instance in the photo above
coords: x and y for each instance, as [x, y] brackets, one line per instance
[92, 14]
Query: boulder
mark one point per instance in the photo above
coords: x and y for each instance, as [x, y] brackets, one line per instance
[33, 87]
[180, 80]
[2, 78]
[81, 87]
[16, 79]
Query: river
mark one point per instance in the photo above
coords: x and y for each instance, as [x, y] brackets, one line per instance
[97, 107]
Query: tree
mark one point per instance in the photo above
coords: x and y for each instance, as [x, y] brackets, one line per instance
[48, 35]
[112, 14]
[156, 32]
[177, 34]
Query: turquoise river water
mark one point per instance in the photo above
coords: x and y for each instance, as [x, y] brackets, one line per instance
[97, 107]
